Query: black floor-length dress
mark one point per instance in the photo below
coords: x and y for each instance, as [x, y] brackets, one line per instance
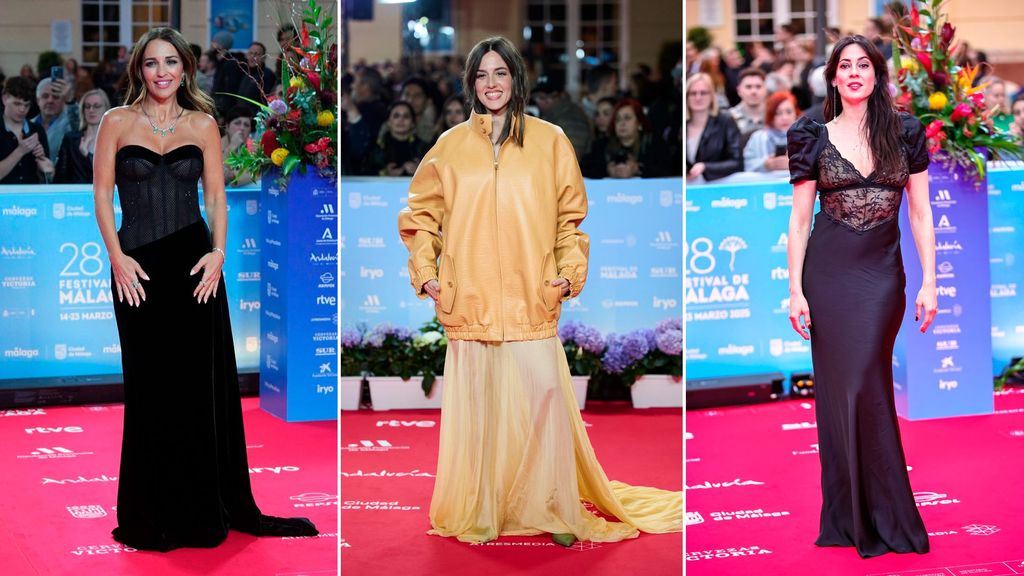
[854, 283]
[184, 475]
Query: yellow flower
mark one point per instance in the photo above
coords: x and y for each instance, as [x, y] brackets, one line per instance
[278, 156]
[909, 65]
[937, 101]
[295, 82]
[324, 118]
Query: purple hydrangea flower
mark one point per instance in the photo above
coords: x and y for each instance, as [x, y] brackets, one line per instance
[350, 338]
[567, 331]
[670, 342]
[278, 107]
[590, 339]
[624, 350]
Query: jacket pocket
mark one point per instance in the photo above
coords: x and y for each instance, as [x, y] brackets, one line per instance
[551, 295]
[449, 283]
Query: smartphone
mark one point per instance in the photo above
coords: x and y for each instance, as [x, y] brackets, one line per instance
[780, 149]
[57, 72]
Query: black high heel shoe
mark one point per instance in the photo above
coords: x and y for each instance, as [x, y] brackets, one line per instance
[274, 526]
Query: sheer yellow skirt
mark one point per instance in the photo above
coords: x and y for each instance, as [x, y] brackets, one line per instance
[515, 458]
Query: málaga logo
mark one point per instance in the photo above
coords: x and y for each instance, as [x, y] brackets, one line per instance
[88, 511]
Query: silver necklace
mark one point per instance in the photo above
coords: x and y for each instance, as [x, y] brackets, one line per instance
[162, 131]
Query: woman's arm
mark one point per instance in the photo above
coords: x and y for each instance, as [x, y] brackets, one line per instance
[921, 226]
[572, 246]
[796, 249]
[215, 200]
[419, 224]
[125, 269]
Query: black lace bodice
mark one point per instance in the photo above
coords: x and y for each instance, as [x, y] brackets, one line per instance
[847, 196]
[159, 194]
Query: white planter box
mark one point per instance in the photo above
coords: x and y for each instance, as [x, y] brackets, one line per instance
[657, 391]
[579, 386]
[393, 393]
[349, 389]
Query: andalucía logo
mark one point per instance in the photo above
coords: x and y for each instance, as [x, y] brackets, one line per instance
[88, 511]
[79, 480]
[372, 446]
[737, 482]
[386, 474]
[53, 452]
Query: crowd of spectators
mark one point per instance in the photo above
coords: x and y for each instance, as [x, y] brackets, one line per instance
[51, 115]
[392, 113]
[741, 101]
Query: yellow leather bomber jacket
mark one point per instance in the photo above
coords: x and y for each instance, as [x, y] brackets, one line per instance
[502, 229]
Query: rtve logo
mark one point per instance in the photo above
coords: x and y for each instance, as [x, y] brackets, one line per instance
[45, 430]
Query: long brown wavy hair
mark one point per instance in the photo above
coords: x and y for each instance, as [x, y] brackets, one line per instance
[883, 122]
[520, 90]
[190, 97]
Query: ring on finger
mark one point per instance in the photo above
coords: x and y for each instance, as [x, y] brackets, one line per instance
[135, 284]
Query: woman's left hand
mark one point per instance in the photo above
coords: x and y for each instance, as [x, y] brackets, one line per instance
[210, 264]
[563, 284]
[926, 306]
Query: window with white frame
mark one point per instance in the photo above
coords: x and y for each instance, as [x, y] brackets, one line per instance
[546, 34]
[756, 20]
[103, 31]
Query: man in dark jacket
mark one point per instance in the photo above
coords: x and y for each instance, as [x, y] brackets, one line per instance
[556, 107]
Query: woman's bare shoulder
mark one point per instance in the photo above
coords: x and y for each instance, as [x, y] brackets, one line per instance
[120, 115]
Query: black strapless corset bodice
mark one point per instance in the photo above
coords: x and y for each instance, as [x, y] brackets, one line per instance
[159, 193]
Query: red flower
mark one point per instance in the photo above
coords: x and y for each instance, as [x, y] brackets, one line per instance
[978, 98]
[926, 61]
[305, 36]
[320, 145]
[933, 129]
[947, 34]
[294, 115]
[941, 79]
[269, 143]
[915, 18]
[314, 79]
[962, 110]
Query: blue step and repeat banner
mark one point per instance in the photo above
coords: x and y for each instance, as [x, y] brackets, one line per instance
[635, 251]
[56, 316]
[737, 280]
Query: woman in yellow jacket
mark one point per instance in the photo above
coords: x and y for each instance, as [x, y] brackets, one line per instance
[492, 229]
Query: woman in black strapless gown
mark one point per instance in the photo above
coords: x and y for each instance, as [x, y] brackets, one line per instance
[184, 477]
[847, 294]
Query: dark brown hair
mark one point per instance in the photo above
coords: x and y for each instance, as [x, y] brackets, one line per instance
[21, 88]
[520, 91]
[882, 120]
[190, 96]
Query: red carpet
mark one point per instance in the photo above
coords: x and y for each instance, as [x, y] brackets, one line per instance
[387, 463]
[753, 494]
[59, 469]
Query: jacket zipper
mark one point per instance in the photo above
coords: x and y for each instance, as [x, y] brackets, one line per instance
[497, 236]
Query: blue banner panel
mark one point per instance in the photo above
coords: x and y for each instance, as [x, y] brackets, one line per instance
[947, 371]
[1006, 257]
[56, 316]
[737, 281]
[635, 254]
[234, 18]
[299, 299]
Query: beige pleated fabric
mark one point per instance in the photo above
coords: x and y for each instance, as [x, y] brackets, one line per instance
[515, 458]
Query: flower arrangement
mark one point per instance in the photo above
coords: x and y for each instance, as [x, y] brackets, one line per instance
[942, 94]
[646, 351]
[583, 346]
[394, 350]
[300, 128]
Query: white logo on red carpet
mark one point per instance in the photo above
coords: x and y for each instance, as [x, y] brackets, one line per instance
[58, 429]
[88, 511]
[376, 505]
[981, 529]
[386, 474]
[79, 480]
[726, 553]
[746, 515]
[693, 518]
[799, 426]
[813, 450]
[314, 499]
[729, 484]
[53, 452]
[933, 499]
[23, 412]
[273, 469]
[104, 549]
[372, 446]
[406, 423]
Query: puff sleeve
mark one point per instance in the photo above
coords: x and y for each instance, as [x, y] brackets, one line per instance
[915, 143]
[803, 144]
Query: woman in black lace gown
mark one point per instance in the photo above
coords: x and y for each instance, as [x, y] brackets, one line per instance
[184, 476]
[847, 276]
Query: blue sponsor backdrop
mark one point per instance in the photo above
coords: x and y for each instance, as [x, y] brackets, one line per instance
[635, 254]
[236, 17]
[56, 317]
[946, 372]
[299, 295]
[737, 282]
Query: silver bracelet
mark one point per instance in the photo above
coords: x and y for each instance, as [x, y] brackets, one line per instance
[221, 250]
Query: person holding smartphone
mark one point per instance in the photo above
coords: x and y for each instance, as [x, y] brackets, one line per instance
[766, 149]
[24, 151]
[58, 111]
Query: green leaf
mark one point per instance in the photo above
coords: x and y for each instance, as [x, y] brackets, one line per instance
[290, 163]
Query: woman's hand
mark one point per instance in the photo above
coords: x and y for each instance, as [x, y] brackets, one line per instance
[210, 264]
[127, 273]
[800, 315]
[777, 162]
[561, 283]
[926, 306]
[433, 289]
[696, 170]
